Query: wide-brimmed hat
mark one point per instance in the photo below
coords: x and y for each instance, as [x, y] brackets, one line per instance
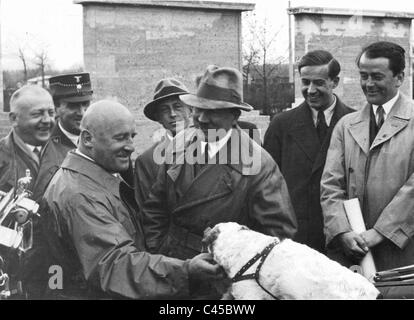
[165, 88]
[74, 87]
[219, 88]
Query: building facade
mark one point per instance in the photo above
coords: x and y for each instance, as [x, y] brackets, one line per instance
[344, 33]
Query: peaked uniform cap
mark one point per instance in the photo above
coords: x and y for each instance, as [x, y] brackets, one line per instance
[74, 87]
[219, 88]
[165, 88]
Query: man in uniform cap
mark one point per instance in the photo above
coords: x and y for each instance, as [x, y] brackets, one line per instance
[167, 109]
[72, 94]
[218, 174]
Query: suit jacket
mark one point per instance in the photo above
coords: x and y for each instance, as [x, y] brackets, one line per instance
[93, 233]
[292, 141]
[381, 176]
[145, 172]
[181, 204]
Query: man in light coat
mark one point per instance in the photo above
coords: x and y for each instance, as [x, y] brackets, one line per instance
[371, 157]
[91, 225]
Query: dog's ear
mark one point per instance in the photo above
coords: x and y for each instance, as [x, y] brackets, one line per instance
[210, 234]
[244, 228]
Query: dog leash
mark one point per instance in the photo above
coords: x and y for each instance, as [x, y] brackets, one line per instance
[240, 276]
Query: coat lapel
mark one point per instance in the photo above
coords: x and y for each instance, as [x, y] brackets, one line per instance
[397, 120]
[359, 128]
[304, 132]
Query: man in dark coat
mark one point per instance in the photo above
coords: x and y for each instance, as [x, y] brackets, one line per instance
[91, 220]
[28, 147]
[174, 116]
[240, 182]
[298, 140]
[72, 94]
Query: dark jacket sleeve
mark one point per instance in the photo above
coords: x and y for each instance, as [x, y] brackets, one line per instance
[144, 178]
[111, 261]
[156, 214]
[270, 204]
[272, 141]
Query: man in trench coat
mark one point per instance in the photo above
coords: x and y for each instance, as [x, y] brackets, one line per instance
[217, 174]
[91, 225]
[371, 157]
[298, 141]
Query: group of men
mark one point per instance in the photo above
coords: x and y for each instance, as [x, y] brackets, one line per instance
[120, 230]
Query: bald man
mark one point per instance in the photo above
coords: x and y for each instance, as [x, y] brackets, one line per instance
[27, 146]
[94, 232]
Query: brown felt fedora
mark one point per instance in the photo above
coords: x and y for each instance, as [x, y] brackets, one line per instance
[165, 88]
[219, 88]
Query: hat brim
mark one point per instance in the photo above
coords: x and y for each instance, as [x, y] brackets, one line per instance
[203, 103]
[150, 108]
[77, 98]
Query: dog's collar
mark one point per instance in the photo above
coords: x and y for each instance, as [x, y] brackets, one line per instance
[240, 276]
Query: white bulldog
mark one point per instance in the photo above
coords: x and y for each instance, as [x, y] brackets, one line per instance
[290, 271]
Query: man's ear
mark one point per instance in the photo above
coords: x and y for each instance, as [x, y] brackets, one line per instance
[400, 79]
[13, 118]
[335, 82]
[86, 138]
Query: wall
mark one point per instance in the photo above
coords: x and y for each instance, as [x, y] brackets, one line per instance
[128, 49]
[344, 36]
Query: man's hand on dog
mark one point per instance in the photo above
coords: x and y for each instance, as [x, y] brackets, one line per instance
[203, 267]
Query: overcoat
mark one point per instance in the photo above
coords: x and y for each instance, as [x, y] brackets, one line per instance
[292, 141]
[381, 176]
[185, 199]
[93, 233]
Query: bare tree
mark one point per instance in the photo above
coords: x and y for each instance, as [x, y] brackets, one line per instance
[22, 57]
[260, 39]
[41, 60]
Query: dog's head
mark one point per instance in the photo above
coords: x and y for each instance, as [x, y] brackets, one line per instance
[222, 230]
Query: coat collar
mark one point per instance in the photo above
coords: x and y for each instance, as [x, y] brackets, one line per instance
[400, 114]
[92, 170]
[60, 137]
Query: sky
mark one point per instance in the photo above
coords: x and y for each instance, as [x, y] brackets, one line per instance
[56, 26]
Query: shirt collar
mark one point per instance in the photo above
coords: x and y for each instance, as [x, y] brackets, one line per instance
[73, 137]
[77, 151]
[386, 106]
[328, 112]
[214, 147]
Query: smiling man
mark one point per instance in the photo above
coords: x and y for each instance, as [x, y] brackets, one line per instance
[92, 224]
[371, 158]
[28, 147]
[167, 109]
[298, 140]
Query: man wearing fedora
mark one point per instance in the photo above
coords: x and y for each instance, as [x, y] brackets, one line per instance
[72, 94]
[218, 174]
[167, 109]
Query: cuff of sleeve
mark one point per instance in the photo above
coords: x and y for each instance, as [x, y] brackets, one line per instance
[399, 236]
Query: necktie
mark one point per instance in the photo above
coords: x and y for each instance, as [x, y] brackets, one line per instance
[321, 126]
[36, 151]
[380, 117]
